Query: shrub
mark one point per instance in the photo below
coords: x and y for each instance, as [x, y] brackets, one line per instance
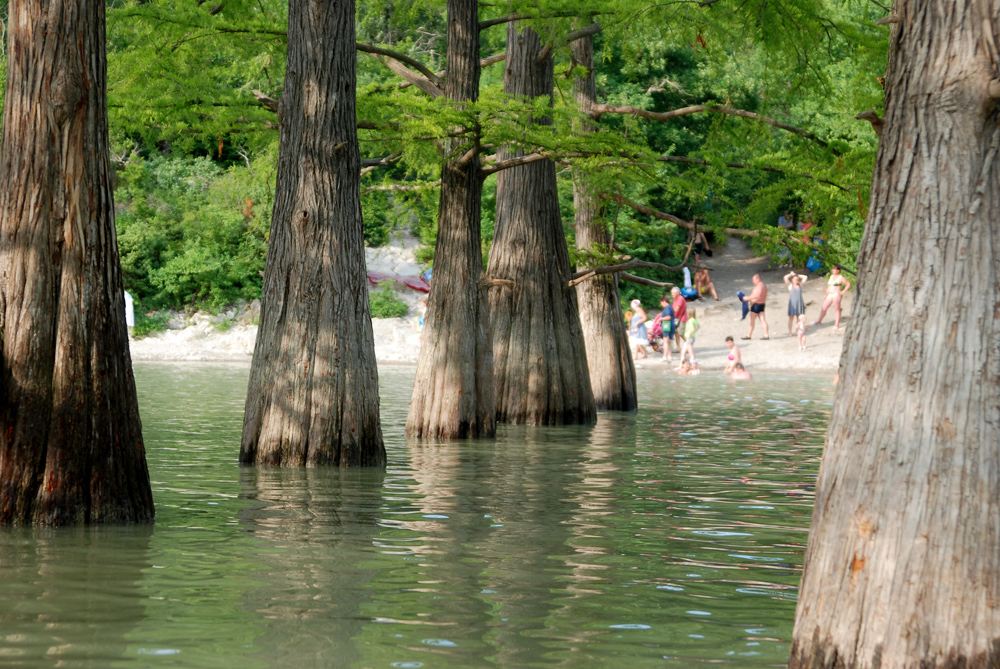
[149, 323]
[385, 303]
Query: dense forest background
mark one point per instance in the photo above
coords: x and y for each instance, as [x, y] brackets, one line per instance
[193, 89]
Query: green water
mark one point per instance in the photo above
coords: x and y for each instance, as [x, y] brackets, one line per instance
[670, 538]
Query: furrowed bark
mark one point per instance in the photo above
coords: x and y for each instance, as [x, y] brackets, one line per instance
[453, 392]
[71, 448]
[903, 563]
[612, 371]
[540, 363]
[313, 390]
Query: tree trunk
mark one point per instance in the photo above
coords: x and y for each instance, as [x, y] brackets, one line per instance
[540, 364]
[313, 391]
[612, 371]
[453, 391]
[71, 447]
[903, 563]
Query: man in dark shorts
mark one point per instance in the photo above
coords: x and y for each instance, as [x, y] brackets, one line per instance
[758, 302]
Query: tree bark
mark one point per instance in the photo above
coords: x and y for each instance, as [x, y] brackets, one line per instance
[903, 563]
[612, 371]
[71, 448]
[453, 391]
[540, 364]
[313, 391]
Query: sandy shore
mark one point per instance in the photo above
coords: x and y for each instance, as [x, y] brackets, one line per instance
[397, 340]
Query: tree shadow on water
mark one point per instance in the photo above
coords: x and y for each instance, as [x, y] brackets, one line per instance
[315, 529]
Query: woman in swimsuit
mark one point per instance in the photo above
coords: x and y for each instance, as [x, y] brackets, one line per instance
[836, 286]
[703, 281]
[796, 305]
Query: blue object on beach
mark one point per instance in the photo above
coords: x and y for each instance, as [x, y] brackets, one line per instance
[741, 296]
[689, 294]
[813, 264]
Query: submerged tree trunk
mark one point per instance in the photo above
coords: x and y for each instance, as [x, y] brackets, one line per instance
[903, 564]
[540, 364]
[71, 447]
[453, 390]
[612, 371]
[313, 391]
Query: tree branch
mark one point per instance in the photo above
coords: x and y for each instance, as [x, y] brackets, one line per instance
[994, 88]
[625, 276]
[483, 62]
[746, 166]
[634, 263]
[370, 164]
[572, 36]
[267, 101]
[499, 165]
[488, 23]
[401, 58]
[599, 110]
[680, 222]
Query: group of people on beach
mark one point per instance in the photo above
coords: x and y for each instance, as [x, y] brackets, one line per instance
[675, 327]
[755, 303]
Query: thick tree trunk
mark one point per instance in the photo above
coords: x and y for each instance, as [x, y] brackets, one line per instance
[453, 391]
[612, 371]
[71, 447]
[313, 391]
[540, 363]
[903, 563]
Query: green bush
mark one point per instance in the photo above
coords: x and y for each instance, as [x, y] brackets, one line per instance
[191, 233]
[150, 323]
[385, 303]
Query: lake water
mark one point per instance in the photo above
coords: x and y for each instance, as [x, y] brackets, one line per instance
[669, 538]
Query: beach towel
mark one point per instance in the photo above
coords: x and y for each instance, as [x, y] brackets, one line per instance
[741, 296]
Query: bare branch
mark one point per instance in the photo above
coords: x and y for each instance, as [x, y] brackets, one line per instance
[401, 58]
[401, 188]
[633, 263]
[625, 276]
[585, 31]
[267, 101]
[369, 165]
[488, 23]
[599, 110]
[872, 117]
[680, 222]
[484, 62]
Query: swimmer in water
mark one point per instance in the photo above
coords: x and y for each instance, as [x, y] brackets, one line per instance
[740, 373]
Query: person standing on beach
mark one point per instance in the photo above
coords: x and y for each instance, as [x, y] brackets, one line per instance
[796, 305]
[669, 326]
[758, 302]
[637, 329]
[680, 314]
[836, 286]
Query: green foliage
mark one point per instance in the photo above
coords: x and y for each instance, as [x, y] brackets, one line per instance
[385, 303]
[150, 323]
[191, 233]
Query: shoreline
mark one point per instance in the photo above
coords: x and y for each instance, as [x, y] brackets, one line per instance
[199, 338]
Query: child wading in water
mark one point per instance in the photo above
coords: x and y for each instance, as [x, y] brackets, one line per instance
[690, 330]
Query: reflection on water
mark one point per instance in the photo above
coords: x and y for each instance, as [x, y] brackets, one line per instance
[668, 538]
